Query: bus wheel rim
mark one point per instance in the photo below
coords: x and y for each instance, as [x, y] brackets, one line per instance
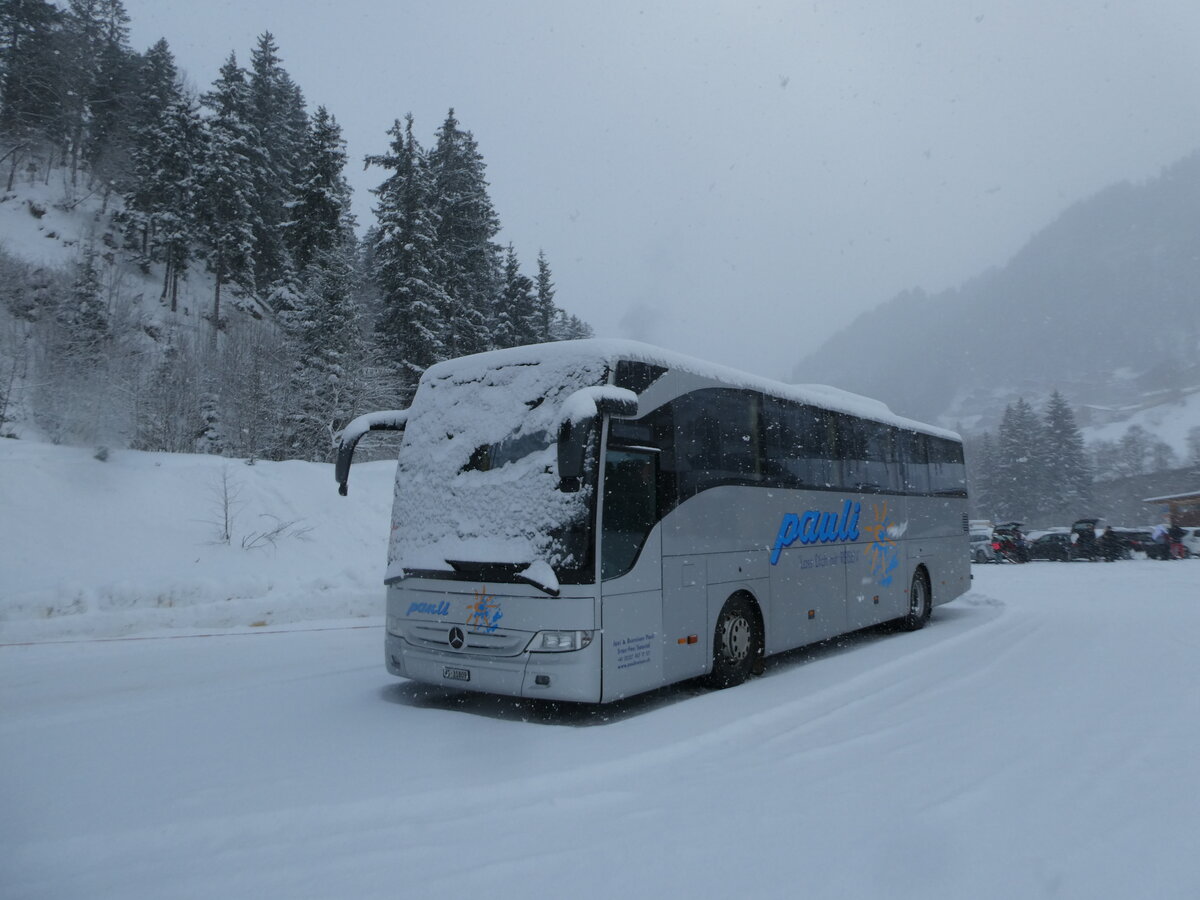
[918, 597]
[737, 639]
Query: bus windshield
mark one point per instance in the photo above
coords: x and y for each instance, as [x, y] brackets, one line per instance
[477, 489]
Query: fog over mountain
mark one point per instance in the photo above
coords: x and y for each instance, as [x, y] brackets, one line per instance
[1101, 305]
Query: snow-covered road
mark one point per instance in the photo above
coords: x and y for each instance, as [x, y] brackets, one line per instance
[1039, 738]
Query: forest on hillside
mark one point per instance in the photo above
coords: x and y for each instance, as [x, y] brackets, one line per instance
[237, 191]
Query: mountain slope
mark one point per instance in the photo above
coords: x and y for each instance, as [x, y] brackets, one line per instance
[1101, 304]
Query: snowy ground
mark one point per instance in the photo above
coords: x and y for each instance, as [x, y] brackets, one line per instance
[1037, 739]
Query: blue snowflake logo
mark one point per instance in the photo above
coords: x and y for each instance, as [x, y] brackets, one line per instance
[883, 554]
[485, 613]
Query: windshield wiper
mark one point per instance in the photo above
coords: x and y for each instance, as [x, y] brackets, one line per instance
[538, 573]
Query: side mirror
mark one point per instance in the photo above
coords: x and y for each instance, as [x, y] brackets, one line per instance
[581, 411]
[573, 437]
[390, 420]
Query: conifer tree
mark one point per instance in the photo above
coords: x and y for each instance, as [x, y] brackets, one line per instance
[159, 79]
[225, 184]
[980, 455]
[1132, 452]
[1018, 483]
[466, 227]
[168, 148]
[275, 112]
[569, 327]
[404, 248]
[328, 356]
[32, 86]
[84, 316]
[544, 308]
[1067, 475]
[320, 214]
[515, 318]
[114, 98]
[176, 215]
[95, 69]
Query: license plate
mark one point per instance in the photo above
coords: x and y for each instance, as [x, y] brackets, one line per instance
[456, 674]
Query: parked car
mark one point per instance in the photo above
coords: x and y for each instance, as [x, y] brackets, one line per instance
[1136, 540]
[981, 546]
[1053, 545]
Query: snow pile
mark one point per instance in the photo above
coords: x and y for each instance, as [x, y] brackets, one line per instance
[145, 542]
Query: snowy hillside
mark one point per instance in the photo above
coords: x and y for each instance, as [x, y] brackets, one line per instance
[46, 222]
[1169, 419]
[1099, 305]
[136, 544]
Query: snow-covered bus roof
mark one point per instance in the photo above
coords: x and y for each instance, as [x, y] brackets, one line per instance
[609, 351]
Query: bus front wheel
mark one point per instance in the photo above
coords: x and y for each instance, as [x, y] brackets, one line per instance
[920, 603]
[737, 643]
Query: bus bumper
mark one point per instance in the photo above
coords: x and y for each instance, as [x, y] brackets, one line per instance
[573, 676]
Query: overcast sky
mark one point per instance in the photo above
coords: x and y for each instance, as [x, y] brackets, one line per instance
[739, 180]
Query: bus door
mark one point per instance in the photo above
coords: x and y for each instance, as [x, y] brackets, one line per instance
[631, 572]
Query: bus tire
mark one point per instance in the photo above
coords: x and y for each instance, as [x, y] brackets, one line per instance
[737, 643]
[920, 603]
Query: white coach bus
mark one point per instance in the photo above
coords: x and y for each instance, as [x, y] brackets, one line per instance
[587, 520]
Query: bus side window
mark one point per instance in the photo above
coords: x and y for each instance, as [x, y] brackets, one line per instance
[717, 439]
[947, 473]
[883, 467]
[798, 445]
[852, 449]
[916, 464]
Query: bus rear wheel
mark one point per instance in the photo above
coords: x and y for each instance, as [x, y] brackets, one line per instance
[920, 603]
[737, 643]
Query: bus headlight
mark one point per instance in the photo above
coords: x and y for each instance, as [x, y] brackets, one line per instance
[559, 641]
[394, 624]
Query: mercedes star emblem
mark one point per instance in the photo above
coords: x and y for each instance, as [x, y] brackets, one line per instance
[457, 638]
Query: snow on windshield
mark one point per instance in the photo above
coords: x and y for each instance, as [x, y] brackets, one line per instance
[477, 478]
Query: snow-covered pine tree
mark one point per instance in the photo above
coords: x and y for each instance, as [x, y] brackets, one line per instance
[569, 327]
[276, 113]
[110, 107]
[543, 300]
[404, 249]
[177, 215]
[1132, 452]
[467, 224]
[328, 357]
[1162, 456]
[84, 316]
[320, 217]
[32, 79]
[97, 34]
[1018, 480]
[225, 185]
[159, 79]
[168, 413]
[168, 146]
[981, 464]
[515, 319]
[1067, 474]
